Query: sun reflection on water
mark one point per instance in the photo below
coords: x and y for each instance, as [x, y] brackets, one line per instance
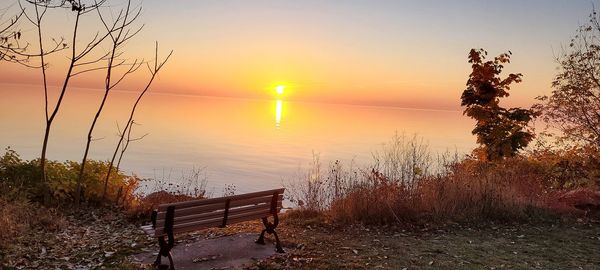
[278, 109]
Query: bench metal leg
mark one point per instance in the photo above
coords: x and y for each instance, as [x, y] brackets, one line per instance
[270, 229]
[172, 267]
[278, 247]
[158, 260]
[165, 251]
[261, 238]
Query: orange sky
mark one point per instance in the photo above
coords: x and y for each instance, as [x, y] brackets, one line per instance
[398, 53]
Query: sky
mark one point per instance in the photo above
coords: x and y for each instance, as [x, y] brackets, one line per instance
[371, 52]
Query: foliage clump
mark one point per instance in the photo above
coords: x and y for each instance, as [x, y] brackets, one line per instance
[501, 132]
[573, 107]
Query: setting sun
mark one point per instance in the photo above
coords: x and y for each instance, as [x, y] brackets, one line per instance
[279, 89]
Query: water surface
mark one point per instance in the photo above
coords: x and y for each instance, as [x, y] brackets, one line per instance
[252, 144]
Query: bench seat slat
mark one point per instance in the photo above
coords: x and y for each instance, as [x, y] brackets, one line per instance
[148, 229]
[163, 207]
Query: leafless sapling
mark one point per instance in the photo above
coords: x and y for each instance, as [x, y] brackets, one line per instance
[119, 32]
[158, 64]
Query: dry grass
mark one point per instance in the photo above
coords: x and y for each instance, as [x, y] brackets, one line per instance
[511, 190]
[473, 190]
[20, 217]
[406, 185]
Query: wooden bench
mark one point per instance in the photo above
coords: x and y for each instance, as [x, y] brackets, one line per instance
[174, 218]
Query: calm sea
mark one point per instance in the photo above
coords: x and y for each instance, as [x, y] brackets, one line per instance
[251, 144]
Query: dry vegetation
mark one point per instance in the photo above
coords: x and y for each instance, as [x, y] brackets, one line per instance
[405, 185]
[30, 231]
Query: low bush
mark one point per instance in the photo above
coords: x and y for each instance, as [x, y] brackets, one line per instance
[22, 179]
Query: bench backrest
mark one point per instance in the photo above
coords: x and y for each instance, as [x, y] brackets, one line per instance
[200, 214]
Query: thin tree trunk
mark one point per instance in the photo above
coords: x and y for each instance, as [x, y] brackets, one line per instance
[92, 126]
[44, 179]
[58, 103]
[157, 68]
[50, 119]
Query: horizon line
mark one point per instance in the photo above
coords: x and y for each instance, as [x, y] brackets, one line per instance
[376, 105]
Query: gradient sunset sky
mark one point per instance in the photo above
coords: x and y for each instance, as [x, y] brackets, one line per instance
[400, 53]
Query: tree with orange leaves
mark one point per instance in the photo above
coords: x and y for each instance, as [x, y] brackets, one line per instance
[501, 132]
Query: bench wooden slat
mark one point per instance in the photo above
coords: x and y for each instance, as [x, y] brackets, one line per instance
[180, 212]
[239, 210]
[218, 213]
[202, 216]
[197, 225]
[163, 207]
[148, 229]
[251, 201]
[192, 210]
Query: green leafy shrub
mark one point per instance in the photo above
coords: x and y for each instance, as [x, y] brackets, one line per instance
[21, 179]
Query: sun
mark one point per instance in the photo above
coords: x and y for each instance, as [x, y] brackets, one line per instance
[279, 89]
